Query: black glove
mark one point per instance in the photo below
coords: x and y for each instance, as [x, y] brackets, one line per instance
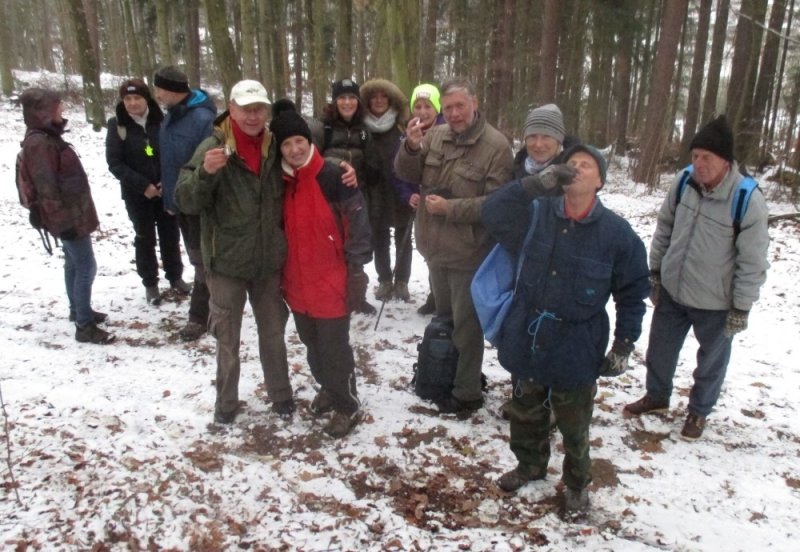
[548, 181]
[655, 287]
[736, 322]
[68, 235]
[357, 281]
[616, 361]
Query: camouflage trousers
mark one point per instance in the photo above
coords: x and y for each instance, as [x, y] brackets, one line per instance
[529, 413]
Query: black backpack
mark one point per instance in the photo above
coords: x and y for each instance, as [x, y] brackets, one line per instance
[436, 365]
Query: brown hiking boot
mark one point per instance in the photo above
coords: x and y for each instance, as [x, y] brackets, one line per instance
[401, 292]
[90, 333]
[192, 331]
[516, 478]
[341, 424]
[321, 404]
[384, 291]
[181, 287]
[647, 405]
[693, 427]
[576, 504]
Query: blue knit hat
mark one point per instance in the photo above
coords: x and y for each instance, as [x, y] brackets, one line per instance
[602, 167]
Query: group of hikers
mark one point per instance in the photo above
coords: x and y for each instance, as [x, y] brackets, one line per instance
[285, 211]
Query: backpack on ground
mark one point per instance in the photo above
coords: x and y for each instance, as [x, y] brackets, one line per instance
[435, 369]
[28, 199]
[744, 190]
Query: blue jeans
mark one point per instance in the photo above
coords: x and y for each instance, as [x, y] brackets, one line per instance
[79, 271]
[670, 325]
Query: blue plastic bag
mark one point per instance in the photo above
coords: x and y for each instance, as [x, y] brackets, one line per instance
[495, 282]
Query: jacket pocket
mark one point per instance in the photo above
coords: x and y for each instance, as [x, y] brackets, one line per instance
[592, 282]
[469, 181]
[219, 320]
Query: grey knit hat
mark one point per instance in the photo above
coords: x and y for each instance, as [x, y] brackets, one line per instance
[546, 120]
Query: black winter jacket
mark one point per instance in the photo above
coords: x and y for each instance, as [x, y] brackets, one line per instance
[134, 160]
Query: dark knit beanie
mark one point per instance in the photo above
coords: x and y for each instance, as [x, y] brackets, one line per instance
[546, 120]
[602, 167]
[716, 137]
[134, 86]
[288, 124]
[345, 86]
[281, 106]
[173, 79]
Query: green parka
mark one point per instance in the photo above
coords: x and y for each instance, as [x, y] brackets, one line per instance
[240, 212]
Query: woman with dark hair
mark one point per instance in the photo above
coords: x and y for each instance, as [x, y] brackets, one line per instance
[346, 138]
[132, 156]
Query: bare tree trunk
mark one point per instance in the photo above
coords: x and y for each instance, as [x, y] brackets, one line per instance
[248, 51]
[7, 60]
[696, 82]
[766, 77]
[622, 80]
[715, 60]
[163, 26]
[315, 16]
[344, 38]
[298, 51]
[666, 51]
[192, 30]
[549, 52]
[745, 143]
[427, 58]
[224, 54]
[570, 99]
[87, 57]
[779, 85]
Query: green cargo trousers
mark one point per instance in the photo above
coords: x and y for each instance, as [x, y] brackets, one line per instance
[228, 296]
[529, 413]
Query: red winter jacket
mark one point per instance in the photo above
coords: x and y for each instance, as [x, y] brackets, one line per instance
[327, 229]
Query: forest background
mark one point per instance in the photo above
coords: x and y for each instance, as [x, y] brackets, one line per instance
[639, 76]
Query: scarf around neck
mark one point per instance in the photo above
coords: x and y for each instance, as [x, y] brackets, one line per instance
[381, 124]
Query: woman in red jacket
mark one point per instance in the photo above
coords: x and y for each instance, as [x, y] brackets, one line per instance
[328, 238]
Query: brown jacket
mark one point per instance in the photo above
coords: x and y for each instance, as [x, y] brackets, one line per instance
[62, 188]
[464, 169]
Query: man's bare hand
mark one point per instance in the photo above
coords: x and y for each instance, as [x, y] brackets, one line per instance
[436, 205]
[414, 200]
[214, 160]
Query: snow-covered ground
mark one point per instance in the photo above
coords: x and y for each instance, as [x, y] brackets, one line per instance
[112, 447]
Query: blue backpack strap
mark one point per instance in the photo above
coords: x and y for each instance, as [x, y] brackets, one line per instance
[682, 183]
[744, 192]
[534, 207]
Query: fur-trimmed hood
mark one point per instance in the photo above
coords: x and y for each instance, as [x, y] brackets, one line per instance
[397, 100]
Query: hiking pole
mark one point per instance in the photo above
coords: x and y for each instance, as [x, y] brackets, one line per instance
[405, 242]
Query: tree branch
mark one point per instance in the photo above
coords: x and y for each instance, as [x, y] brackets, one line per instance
[8, 447]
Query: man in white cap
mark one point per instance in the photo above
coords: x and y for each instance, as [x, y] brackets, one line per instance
[233, 182]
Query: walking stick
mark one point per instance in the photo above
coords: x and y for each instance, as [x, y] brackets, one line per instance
[405, 242]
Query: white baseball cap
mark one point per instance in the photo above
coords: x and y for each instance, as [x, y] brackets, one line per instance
[248, 92]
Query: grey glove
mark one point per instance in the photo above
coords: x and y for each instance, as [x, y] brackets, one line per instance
[616, 361]
[550, 180]
[735, 322]
[655, 287]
